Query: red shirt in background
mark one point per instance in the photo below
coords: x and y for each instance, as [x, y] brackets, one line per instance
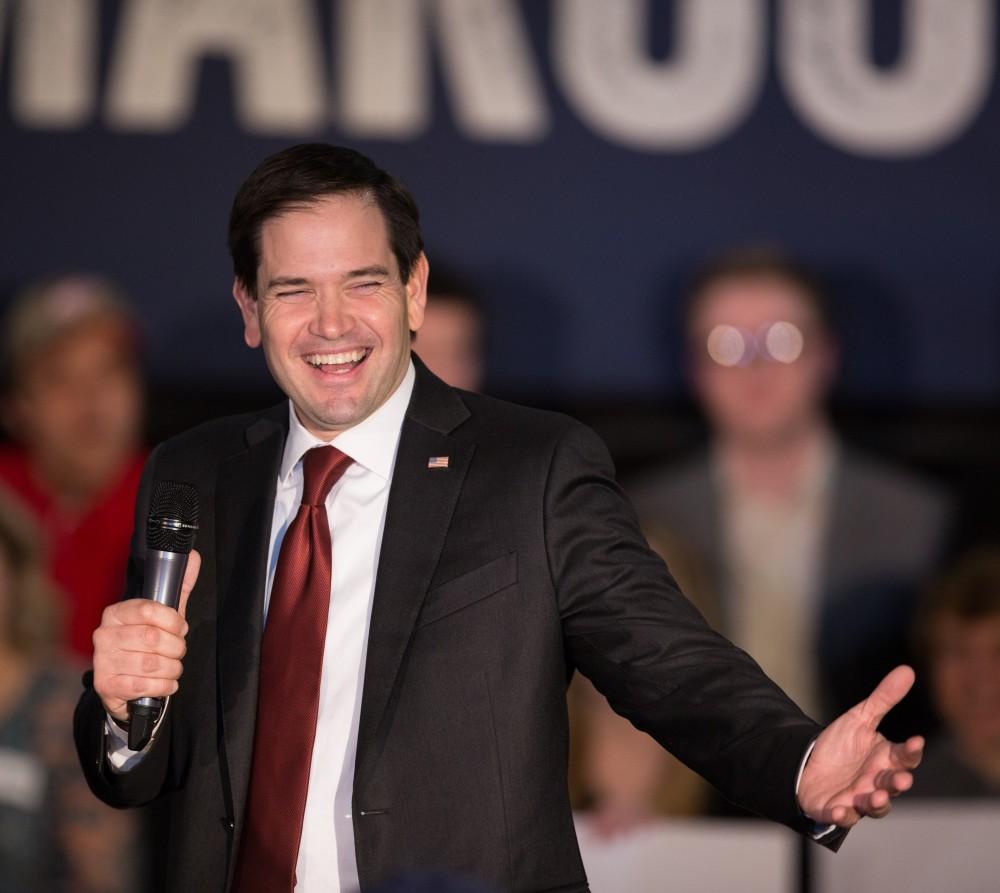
[87, 551]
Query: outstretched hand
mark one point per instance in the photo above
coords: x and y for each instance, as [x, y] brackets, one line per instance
[853, 770]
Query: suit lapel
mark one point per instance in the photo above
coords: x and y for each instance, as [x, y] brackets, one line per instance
[705, 520]
[421, 503]
[244, 509]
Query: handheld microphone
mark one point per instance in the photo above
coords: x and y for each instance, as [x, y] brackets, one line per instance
[170, 532]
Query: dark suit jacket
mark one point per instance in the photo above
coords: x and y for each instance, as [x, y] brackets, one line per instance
[885, 534]
[497, 578]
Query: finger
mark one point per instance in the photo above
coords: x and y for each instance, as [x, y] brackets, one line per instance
[893, 781]
[842, 817]
[876, 805]
[128, 688]
[117, 690]
[117, 708]
[888, 693]
[145, 638]
[908, 754]
[877, 812]
[110, 670]
[143, 612]
[143, 664]
[190, 578]
[109, 640]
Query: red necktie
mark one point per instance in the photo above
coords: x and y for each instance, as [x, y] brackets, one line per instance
[291, 663]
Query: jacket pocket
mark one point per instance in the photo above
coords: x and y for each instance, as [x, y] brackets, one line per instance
[471, 587]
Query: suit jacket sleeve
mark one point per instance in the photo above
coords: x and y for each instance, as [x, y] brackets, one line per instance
[648, 650]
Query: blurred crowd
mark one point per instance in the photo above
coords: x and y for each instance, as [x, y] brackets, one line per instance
[790, 540]
[73, 410]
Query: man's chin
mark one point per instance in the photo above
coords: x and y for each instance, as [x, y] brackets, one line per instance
[327, 422]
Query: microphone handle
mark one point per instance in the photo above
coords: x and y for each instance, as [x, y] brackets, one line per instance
[162, 583]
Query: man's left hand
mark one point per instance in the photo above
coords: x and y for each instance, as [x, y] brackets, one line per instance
[853, 770]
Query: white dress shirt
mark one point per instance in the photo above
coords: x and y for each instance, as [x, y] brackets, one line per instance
[356, 512]
[773, 546]
[355, 507]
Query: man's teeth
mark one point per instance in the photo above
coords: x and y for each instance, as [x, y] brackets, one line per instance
[336, 359]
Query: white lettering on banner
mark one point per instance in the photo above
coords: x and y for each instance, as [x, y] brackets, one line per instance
[382, 61]
[382, 85]
[924, 101]
[384, 68]
[685, 103]
[274, 46]
[54, 62]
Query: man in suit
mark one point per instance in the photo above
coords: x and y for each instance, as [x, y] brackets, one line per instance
[481, 552]
[814, 549]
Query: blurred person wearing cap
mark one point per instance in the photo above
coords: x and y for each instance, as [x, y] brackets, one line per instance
[815, 550]
[55, 835]
[73, 406]
[451, 339]
[958, 638]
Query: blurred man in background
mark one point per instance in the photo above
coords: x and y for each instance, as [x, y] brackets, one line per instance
[74, 407]
[808, 555]
[959, 637]
[810, 544]
[452, 339]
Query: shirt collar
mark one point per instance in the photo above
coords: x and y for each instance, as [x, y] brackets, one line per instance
[371, 443]
[814, 477]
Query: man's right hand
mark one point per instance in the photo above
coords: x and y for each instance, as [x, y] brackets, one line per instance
[139, 646]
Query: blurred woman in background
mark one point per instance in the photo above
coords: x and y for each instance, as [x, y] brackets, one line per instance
[958, 635]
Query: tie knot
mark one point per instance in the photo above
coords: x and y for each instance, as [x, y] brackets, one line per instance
[321, 469]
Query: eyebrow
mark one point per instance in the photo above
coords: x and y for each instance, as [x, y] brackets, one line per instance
[375, 270]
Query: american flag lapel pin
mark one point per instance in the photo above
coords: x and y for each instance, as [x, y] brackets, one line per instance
[437, 462]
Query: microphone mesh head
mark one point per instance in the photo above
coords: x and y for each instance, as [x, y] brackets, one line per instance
[173, 517]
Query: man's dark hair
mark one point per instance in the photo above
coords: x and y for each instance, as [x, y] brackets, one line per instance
[759, 263]
[298, 177]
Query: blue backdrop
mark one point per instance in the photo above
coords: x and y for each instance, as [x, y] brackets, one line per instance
[574, 158]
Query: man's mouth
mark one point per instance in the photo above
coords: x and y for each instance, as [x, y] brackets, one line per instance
[338, 363]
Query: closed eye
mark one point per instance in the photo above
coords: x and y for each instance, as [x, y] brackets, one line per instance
[292, 294]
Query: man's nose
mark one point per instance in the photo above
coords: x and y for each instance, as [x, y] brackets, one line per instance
[332, 318]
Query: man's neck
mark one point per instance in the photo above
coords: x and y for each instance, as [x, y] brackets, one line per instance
[774, 467]
[76, 493]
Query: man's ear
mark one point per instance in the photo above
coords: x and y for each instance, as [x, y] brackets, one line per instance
[249, 311]
[416, 292]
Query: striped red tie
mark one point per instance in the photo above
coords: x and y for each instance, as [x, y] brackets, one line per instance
[291, 664]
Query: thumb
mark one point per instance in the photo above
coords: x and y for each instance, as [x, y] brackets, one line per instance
[190, 577]
[888, 693]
